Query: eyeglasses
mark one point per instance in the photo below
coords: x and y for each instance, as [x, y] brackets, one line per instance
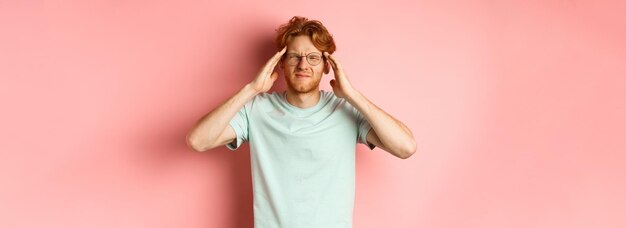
[312, 58]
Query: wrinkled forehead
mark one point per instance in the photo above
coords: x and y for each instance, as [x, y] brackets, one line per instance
[301, 45]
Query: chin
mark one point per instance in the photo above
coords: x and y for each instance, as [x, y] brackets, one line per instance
[304, 88]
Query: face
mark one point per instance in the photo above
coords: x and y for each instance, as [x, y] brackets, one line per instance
[303, 77]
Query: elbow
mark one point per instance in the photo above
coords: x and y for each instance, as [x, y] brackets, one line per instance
[409, 150]
[193, 143]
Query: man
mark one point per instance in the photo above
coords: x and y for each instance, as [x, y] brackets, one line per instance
[302, 140]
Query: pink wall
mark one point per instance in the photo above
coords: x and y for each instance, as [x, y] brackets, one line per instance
[518, 110]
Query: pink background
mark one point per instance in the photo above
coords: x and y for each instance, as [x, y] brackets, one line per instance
[518, 109]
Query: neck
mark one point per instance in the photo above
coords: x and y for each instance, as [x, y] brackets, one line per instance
[303, 100]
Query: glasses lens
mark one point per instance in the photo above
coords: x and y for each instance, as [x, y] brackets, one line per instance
[292, 60]
[314, 58]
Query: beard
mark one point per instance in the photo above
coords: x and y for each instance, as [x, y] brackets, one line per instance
[304, 86]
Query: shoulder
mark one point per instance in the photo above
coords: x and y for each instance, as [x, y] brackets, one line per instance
[268, 97]
[339, 103]
[266, 100]
[263, 97]
[330, 96]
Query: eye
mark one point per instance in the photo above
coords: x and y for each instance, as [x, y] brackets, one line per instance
[315, 57]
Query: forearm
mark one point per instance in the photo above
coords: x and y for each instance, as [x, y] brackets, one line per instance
[392, 133]
[208, 129]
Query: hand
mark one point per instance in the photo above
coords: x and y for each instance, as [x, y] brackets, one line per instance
[266, 77]
[341, 86]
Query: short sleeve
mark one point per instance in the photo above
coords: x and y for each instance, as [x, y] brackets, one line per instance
[239, 123]
[364, 128]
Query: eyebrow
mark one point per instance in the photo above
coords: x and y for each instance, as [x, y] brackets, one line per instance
[294, 53]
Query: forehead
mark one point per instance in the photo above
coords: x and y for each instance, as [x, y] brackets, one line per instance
[301, 45]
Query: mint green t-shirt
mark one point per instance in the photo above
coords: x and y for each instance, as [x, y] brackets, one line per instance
[302, 159]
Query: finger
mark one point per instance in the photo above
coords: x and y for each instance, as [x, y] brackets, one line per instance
[332, 64]
[333, 61]
[269, 66]
[279, 54]
[337, 63]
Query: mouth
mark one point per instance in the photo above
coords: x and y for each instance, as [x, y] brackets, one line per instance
[302, 75]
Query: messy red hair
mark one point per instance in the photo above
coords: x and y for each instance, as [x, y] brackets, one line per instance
[320, 37]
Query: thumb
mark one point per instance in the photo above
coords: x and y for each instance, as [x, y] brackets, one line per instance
[274, 76]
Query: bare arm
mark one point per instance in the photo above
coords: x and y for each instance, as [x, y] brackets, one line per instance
[387, 132]
[212, 130]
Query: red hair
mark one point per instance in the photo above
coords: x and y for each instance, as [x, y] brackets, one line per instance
[320, 37]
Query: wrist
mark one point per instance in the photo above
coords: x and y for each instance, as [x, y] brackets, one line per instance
[250, 90]
[352, 94]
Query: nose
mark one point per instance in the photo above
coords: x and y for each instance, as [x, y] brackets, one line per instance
[302, 64]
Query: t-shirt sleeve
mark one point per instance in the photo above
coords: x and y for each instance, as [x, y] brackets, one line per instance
[239, 123]
[364, 128]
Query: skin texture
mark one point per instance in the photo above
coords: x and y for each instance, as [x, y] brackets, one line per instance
[303, 92]
[387, 133]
